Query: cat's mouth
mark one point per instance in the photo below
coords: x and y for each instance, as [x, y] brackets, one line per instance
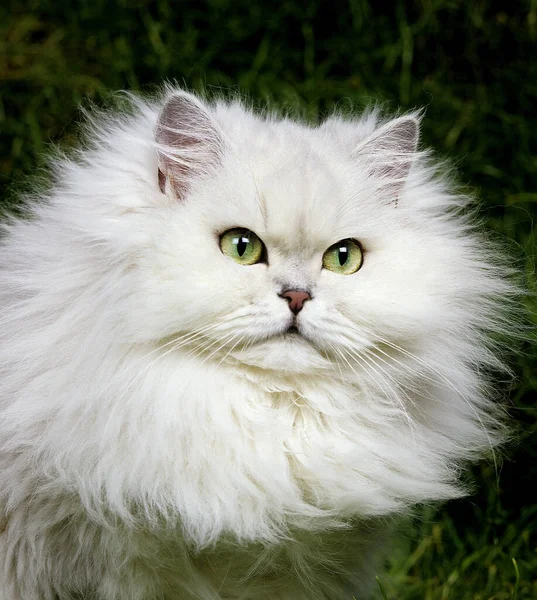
[295, 334]
[290, 350]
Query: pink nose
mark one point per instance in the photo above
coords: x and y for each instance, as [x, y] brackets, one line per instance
[296, 299]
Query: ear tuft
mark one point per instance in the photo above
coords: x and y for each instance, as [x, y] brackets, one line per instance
[188, 143]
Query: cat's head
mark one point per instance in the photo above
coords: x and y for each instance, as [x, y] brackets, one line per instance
[295, 248]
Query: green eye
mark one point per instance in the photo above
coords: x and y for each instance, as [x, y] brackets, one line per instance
[345, 257]
[243, 246]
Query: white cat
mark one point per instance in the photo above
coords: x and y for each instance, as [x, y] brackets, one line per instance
[232, 347]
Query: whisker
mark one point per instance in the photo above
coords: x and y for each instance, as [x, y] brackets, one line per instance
[177, 341]
[231, 349]
[394, 393]
[441, 377]
[336, 352]
[223, 343]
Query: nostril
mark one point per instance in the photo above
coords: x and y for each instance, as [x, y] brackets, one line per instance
[296, 299]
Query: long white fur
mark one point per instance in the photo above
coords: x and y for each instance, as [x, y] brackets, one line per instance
[159, 438]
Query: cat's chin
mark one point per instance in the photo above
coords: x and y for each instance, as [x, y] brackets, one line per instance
[288, 353]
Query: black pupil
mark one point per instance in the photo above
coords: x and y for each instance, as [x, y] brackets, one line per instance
[242, 244]
[343, 255]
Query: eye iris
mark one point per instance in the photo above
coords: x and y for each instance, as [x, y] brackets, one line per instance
[345, 257]
[242, 246]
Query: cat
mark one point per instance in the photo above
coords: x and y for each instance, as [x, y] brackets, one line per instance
[233, 346]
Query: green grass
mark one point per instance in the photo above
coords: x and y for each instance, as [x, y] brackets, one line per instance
[494, 559]
[473, 64]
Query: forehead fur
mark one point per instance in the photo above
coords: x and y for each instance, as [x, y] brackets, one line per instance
[301, 181]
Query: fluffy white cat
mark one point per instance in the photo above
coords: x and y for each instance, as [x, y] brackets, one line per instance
[232, 347]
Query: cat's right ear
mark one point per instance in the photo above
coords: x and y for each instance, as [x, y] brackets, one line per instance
[188, 143]
[389, 153]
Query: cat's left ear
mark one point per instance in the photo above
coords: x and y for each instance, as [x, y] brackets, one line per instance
[389, 152]
[188, 143]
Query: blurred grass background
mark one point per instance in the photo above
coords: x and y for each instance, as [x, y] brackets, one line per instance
[473, 64]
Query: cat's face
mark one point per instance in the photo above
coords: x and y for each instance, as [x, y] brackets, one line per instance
[290, 254]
